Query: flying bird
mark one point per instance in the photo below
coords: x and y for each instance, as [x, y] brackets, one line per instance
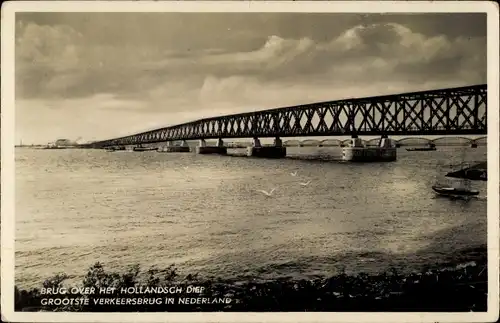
[305, 184]
[266, 192]
[294, 173]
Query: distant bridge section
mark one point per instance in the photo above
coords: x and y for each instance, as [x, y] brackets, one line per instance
[452, 111]
[448, 141]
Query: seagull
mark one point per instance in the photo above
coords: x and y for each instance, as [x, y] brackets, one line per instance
[266, 192]
[294, 174]
[305, 184]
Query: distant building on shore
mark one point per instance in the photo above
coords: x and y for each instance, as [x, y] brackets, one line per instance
[64, 142]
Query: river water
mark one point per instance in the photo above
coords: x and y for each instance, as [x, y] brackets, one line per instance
[203, 213]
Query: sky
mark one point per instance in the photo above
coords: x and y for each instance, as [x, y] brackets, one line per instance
[97, 76]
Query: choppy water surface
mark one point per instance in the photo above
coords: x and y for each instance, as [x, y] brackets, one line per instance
[202, 213]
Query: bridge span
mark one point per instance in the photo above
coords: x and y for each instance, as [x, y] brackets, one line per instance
[451, 111]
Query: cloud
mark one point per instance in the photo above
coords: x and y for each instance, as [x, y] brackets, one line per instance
[158, 84]
[56, 57]
[48, 46]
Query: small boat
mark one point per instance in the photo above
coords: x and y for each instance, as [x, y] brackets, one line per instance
[145, 148]
[421, 149]
[463, 189]
[453, 191]
[429, 147]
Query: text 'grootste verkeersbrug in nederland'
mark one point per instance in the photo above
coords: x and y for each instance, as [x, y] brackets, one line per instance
[78, 296]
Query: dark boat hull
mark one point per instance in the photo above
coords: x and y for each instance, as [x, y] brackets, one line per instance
[449, 191]
[144, 149]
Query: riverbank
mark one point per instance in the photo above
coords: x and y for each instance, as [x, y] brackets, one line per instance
[461, 287]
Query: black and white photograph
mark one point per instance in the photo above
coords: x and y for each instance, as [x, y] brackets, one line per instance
[264, 157]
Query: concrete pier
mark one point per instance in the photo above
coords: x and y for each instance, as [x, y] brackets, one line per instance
[275, 151]
[177, 149]
[170, 148]
[357, 152]
[202, 148]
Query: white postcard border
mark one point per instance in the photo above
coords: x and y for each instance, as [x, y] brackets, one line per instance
[7, 153]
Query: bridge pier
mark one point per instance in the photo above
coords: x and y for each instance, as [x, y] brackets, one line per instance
[275, 151]
[170, 148]
[203, 149]
[357, 152]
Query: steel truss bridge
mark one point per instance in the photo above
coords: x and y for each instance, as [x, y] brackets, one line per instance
[451, 111]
